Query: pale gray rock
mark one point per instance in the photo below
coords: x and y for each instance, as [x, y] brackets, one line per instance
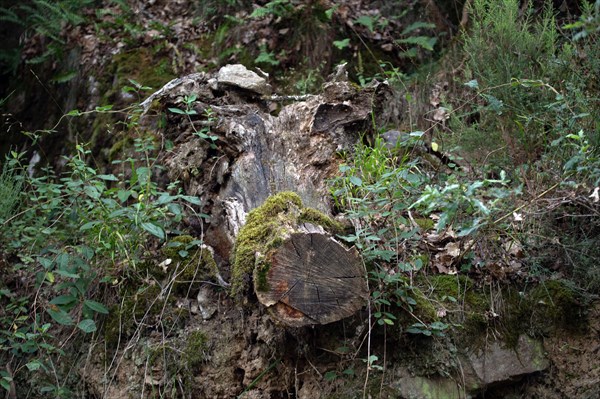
[497, 363]
[237, 75]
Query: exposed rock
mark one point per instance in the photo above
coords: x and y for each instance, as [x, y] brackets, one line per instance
[417, 387]
[481, 369]
[238, 75]
[206, 303]
[496, 363]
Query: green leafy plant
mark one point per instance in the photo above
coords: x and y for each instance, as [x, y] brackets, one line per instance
[278, 8]
[75, 232]
[266, 57]
[209, 115]
[11, 182]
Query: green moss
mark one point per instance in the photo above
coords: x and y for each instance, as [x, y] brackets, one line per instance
[557, 305]
[551, 307]
[143, 66]
[314, 216]
[465, 305]
[118, 149]
[424, 309]
[265, 230]
[260, 275]
[195, 349]
[123, 318]
[455, 286]
[175, 245]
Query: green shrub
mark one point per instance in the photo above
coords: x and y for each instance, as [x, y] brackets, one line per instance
[501, 46]
[74, 232]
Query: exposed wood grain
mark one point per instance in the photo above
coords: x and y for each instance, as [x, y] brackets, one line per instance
[313, 279]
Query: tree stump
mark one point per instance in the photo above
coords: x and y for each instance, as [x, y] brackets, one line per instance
[300, 272]
[311, 279]
[254, 152]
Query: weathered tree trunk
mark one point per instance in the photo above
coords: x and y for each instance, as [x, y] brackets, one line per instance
[255, 152]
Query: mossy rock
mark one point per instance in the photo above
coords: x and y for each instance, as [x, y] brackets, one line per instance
[424, 308]
[265, 229]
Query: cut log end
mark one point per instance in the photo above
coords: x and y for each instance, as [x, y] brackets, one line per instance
[311, 279]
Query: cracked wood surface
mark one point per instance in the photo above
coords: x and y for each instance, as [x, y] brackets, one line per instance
[313, 279]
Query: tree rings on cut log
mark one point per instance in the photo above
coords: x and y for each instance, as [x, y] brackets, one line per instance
[311, 279]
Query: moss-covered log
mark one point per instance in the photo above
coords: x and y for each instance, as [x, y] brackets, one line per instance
[301, 273]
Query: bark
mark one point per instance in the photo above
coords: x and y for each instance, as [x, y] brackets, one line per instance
[262, 147]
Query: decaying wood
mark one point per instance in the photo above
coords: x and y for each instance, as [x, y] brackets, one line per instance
[312, 279]
[262, 146]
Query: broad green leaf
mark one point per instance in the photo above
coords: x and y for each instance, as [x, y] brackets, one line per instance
[86, 252]
[104, 108]
[356, 181]
[329, 12]
[63, 300]
[349, 372]
[95, 306]
[45, 262]
[165, 198]
[89, 225]
[67, 274]
[92, 192]
[110, 177]
[177, 111]
[62, 260]
[60, 316]
[342, 44]
[74, 112]
[174, 209]
[87, 326]
[50, 277]
[366, 21]
[48, 388]
[34, 365]
[330, 376]
[154, 230]
[191, 199]
[123, 195]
